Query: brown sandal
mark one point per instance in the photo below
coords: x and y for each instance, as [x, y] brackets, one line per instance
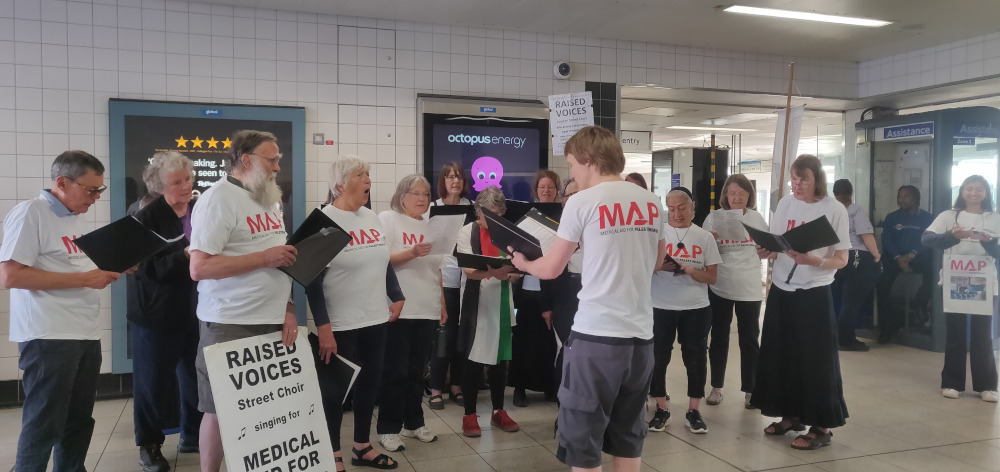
[777, 429]
[817, 440]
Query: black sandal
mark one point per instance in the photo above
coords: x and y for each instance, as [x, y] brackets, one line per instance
[780, 430]
[338, 461]
[458, 398]
[817, 440]
[380, 461]
[436, 402]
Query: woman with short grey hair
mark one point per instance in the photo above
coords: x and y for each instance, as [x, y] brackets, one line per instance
[342, 170]
[408, 339]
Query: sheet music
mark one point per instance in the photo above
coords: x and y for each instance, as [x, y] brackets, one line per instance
[728, 224]
[442, 231]
[544, 234]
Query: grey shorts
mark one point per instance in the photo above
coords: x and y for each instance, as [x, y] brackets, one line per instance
[215, 333]
[602, 398]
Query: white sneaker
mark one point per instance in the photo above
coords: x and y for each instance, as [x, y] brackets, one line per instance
[391, 442]
[746, 401]
[715, 397]
[952, 393]
[989, 396]
[422, 433]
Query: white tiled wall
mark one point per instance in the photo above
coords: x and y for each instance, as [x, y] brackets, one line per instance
[60, 62]
[953, 62]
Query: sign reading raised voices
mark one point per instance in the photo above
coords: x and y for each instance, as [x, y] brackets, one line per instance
[269, 405]
[568, 113]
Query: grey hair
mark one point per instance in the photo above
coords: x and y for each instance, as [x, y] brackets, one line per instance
[403, 187]
[682, 193]
[491, 198]
[169, 161]
[74, 164]
[341, 170]
[245, 141]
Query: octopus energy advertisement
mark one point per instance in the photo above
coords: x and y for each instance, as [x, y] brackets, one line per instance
[269, 405]
[493, 156]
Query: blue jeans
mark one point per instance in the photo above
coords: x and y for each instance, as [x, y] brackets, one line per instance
[162, 365]
[60, 385]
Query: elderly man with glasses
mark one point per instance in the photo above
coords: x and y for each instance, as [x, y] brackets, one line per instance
[54, 308]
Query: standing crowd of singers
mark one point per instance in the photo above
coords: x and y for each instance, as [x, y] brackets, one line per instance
[606, 289]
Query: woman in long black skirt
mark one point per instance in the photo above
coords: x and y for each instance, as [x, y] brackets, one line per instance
[798, 378]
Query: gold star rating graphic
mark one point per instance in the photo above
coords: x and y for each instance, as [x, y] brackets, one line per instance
[196, 142]
[181, 142]
[213, 143]
[226, 143]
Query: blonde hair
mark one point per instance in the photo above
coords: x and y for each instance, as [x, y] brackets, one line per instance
[597, 146]
[403, 187]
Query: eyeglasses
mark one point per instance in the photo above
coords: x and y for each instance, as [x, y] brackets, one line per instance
[270, 160]
[92, 191]
[426, 195]
[454, 177]
[543, 187]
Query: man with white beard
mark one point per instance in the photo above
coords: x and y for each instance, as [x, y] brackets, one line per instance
[237, 242]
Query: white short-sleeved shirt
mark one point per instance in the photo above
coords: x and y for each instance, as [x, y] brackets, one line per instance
[944, 222]
[451, 274]
[700, 251]
[227, 221]
[860, 224]
[792, 212]
[420, 277]
[39, 233]
[354, 284]
[739, 275]
[618, 224]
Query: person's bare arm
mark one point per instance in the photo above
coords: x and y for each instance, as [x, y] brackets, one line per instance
[206, 266]
[13, 274]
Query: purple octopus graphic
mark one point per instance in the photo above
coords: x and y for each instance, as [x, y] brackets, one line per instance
[486, 172]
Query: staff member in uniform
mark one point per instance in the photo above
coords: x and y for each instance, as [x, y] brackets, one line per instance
[738, 287]
[680, 308]
[858, 277]
[54, 307]
[971, 227]
[609, 355]
[901, 232]
[798, 377]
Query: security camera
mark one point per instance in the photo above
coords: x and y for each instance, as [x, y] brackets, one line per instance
[562, 70]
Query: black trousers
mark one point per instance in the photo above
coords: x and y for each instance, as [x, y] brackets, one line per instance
[533, 346]
[857, 280]
[979, 347]
[407, 349]
[691, 329]
[473, 378]
[563, 291]
[890, 317]
[366, 348]
[748, 326]
[454, 360]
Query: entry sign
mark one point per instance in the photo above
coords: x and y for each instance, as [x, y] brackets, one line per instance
[900, 132]
[636, 141]
[269, 405]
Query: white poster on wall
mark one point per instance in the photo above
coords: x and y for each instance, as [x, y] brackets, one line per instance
[269, 405]
[969, 283]
[568, 113]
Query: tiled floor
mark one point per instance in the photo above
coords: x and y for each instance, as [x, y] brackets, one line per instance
[899, 421]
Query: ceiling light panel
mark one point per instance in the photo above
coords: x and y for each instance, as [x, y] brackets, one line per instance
[808, 16]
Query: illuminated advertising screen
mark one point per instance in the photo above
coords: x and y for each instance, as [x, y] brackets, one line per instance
[504, 153]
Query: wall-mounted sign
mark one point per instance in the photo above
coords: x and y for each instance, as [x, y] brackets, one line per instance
[976, 130]
[211, 112]
[636, 141]
[753, 167]
[910, 131]
[964, 141]
[487, 109]
[567, 114]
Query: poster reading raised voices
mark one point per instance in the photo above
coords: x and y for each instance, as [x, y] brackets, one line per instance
[970, 284]
[568, 113]
[269, 405]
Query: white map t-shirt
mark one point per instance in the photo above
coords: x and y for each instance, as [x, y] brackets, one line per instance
[618, 224]
[988, 221]
[700, 251]
[227, 221]
[420, 277]
[739, 275]
[34, 235]
[792, 212]
[354, 284]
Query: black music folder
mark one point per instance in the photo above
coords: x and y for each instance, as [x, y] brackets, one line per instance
[516, 210]
[678, 270]
[812, 235]
[123, 244]
[318, 240]
[478, 262]
[452, 210]
[503, 233]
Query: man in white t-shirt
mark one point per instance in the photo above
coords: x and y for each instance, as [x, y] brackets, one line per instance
[54, 308]
[609, 354]
[237, 242]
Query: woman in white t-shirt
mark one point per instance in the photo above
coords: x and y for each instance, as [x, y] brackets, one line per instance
[680, 308]
[534, 346]
[970, 228]
[798, 373]
[349, 307]
[452, 187]
[487, 318]
[738, 287]
[409, 339]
